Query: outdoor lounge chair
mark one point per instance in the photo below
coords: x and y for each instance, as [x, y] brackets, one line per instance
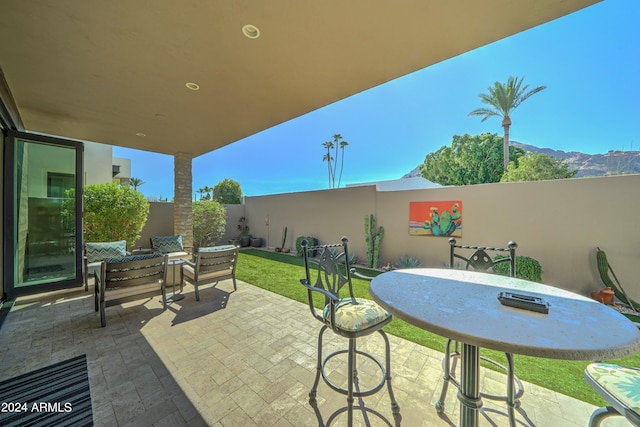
[618, 385]
[479, 260]
[172, 246]
[348, 317]
[130, 278]
[211, 265]
[96, 252]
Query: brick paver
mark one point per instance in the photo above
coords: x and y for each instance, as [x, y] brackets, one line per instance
[244, 358]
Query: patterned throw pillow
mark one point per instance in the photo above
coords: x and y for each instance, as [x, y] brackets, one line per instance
[166, 244]
[100, 251]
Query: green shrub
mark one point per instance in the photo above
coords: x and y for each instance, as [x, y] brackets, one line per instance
[312, 242]
[526, 268]
[408, 262]
[113, 212]
[209, 222]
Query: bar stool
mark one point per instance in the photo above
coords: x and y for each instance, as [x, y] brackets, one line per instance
[348, 317]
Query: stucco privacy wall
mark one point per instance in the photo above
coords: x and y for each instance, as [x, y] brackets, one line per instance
[559, 223]
[234, 213]
[327, 215]
[160, 222]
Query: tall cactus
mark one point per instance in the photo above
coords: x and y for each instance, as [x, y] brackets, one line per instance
[372, 239]
[284, 236]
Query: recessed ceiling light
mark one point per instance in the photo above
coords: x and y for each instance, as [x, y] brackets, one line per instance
[192, 86]
[141, 134]
[251, 31]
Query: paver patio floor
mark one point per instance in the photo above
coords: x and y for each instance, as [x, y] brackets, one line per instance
[244, 358]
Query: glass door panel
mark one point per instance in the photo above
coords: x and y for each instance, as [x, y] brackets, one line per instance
[45, 220]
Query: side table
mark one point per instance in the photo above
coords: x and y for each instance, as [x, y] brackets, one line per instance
[177, 264]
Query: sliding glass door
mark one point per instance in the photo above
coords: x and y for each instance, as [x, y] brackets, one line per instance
[43, 182]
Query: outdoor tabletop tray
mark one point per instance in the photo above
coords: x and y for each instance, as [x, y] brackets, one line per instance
[524, 302]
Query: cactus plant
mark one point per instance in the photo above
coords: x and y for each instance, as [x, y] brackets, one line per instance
[284, 236]
[372, 240]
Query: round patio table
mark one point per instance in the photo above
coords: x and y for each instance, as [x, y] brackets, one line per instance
[464, 306]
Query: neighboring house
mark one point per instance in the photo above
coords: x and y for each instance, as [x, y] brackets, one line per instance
[415, 183]
[100, 166]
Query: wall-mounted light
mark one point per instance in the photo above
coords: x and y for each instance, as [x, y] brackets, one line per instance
[251, 31]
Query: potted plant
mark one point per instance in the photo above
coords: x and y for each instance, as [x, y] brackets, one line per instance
[256, 242]
[284, 239]
[244, 237]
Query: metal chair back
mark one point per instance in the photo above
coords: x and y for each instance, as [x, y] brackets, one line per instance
[480, 260]
[330, 271]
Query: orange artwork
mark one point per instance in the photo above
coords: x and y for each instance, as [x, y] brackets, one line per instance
[435, 219]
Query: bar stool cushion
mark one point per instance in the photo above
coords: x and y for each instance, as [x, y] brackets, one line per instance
[356, 317]
[622, 383]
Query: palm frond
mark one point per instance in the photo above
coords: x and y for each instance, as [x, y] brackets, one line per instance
[504, 98]
[486, 112]
[524, 97]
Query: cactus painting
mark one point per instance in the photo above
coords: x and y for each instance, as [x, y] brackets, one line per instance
[435, 219]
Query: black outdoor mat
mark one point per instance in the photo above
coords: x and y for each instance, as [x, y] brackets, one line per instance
[56, 395]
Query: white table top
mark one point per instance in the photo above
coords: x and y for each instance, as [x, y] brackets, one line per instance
[463, 305]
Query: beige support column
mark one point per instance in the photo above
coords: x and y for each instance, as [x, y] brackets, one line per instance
[182, 213]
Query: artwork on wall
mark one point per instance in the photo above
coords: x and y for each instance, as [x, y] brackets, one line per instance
[435, 218]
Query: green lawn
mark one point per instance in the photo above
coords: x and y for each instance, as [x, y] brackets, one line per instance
[281, 274]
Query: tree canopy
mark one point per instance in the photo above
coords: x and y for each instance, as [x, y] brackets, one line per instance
[537, 167]
[468, 160]
[228, 192]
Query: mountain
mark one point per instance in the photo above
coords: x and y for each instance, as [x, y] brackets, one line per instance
[614, 162]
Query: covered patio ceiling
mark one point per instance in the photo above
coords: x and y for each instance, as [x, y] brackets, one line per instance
[110, 71]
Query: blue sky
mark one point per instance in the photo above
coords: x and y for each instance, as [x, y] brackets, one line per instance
[589, 61]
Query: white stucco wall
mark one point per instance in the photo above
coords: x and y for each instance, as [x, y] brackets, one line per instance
[97, 163]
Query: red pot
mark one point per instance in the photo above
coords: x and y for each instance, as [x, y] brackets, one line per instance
[605, 295]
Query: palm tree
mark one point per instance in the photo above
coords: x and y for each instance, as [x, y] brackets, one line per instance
[201, 192]
[502, 99]
[135, 182]
[339, 144]
[209, 192]
[342, 145]
[205, 192]
[328, 158]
